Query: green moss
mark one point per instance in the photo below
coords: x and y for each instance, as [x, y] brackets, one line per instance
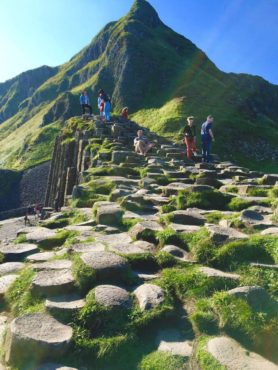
[238, 204]
[20, 239]
[273, 193]
[254, 249]
[101, 187]
[162, 360]
[190, 282]
[214, 217]
[84, 276]
[2, 257]
[19, 296]
[100, 320]
[165, 259]
[208, 199]
[257, 192]
[169, 236]
[205, 360]
[266, 278]
[58, 239]
[239, 320]
[146, 261]
[232, 189]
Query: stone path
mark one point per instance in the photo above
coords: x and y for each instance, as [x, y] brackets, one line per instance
[113, 256]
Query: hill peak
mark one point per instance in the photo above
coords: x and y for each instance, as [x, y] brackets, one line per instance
[143, 11]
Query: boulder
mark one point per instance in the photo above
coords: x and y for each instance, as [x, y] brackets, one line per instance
[34, 338]
[17, 252]
[221, 234]
[106, 265]
[112, 296]
[254, 218]
[149, 296]
[114, 239]
[210, 272]
[179, 228]
[233, 356]
[10, 268]
[52, 282]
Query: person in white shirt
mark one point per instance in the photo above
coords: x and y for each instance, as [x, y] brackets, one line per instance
[142, 144]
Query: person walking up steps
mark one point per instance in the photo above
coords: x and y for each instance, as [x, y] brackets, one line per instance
[190, 137]
[207, 139]
[85, 103]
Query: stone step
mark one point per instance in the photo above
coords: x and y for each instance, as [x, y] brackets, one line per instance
[49, 283]
[17, 252]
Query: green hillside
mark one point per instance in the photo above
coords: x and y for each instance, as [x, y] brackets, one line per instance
[160, 75]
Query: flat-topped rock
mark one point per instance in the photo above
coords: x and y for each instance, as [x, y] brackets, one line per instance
[255, 296]
[114, 239]
[179, 228]
[52, 282]
[5, 282]
[40, 234]
[221, 234]
[37, 337]
[187, 217]
[112, 296]
[149, 296]
[52, 366]
[106, 264]
[254, 218]
[264, 266]
[171, 340]
[269, 179]
[70, 302]
[52, 265]
[109, 214]
[177, 252]
[270, 231]
[17, 252]
[10, 268]
[235, 357]
[210, 272]
[138, 231]
[41, 257]
[87, 247]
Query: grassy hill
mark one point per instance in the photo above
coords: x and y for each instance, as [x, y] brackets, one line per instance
[160, 75]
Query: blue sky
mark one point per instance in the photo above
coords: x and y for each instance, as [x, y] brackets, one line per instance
[237, 35]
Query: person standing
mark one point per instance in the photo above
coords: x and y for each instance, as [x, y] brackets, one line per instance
[207, 138]
[107, 106]
[100, 103]
[190, 137]
[85, 102]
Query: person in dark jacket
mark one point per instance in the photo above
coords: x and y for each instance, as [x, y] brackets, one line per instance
[190, 137]
[207, 138]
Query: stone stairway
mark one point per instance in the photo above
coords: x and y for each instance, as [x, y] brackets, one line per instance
[125, 221]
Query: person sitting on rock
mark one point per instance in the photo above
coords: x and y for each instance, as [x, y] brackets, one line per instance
[142, 144]
[190, 137]
[207, 139]
[85, 103]
[125, 113]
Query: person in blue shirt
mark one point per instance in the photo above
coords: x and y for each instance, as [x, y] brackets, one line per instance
[85, 102]
[207, 139]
